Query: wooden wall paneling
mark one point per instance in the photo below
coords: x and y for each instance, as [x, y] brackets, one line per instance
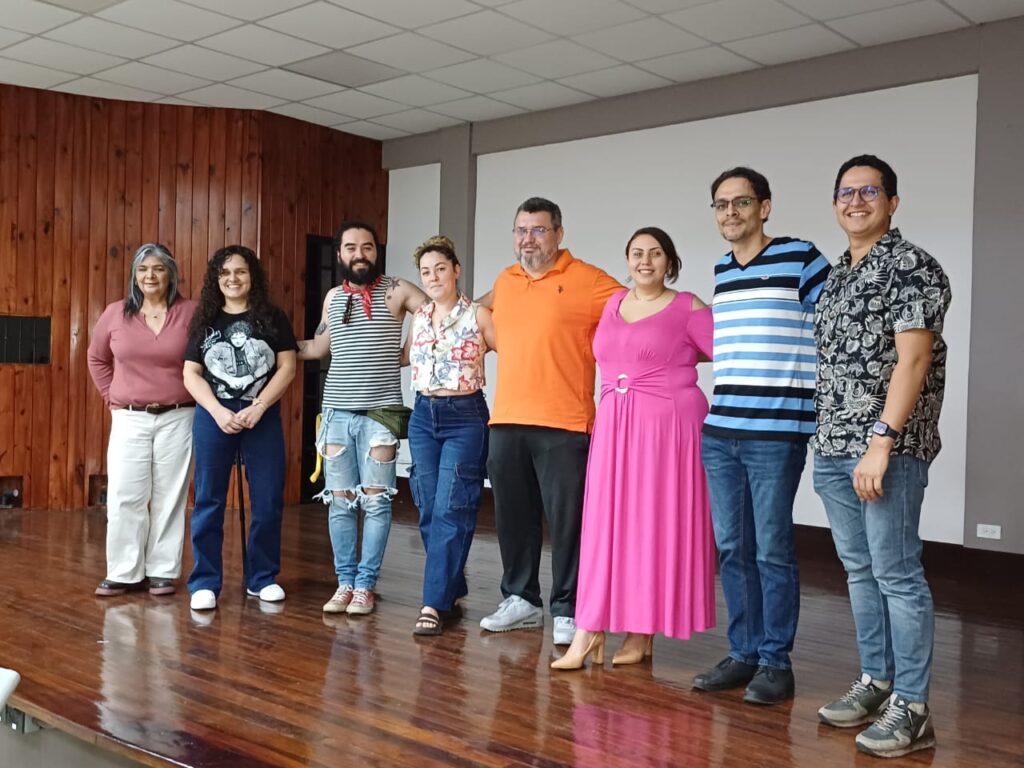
[37, 486]
[8, 197]
[6, 419]
[251, 172]
[134, 117]
[216, 235]
[151, 201]
[168, 175]
[78, 275]
[60, 322]
[183, 180]
[99, 148]
[232, 160]
[202, 192]
[289, 265]
[20, 464]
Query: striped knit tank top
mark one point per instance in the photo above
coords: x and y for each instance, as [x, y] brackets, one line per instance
[366, 354]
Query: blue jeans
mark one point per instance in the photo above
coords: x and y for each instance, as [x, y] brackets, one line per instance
[880, 548]
[353, 469]
[752, 485]
[263, 453]
[448, 440]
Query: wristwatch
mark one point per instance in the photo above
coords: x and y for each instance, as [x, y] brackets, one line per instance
[882, 429]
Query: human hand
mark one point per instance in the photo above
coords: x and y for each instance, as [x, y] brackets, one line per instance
[871, 469]
[228, 421]
[250, 417]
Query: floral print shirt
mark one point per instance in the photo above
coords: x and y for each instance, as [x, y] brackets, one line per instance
[454, 357]
[896, 287]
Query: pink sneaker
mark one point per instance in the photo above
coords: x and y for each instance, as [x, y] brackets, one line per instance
[340, 600]
[362, 602]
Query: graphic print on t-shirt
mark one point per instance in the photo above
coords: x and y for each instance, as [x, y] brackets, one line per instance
[237, 365]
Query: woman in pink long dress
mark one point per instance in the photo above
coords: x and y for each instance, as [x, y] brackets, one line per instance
[647, 549]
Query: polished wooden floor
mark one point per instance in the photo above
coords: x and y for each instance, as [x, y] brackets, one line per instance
[252, 686]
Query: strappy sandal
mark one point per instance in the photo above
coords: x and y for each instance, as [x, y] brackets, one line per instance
[432, 622]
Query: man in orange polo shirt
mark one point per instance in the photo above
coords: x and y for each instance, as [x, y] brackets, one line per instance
[546, 308]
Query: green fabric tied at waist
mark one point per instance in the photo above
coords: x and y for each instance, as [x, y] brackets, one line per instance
[394, 417]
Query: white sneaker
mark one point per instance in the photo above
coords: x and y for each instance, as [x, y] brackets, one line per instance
[270, 593]
[203, 600]
[563, 630]
[513, 613]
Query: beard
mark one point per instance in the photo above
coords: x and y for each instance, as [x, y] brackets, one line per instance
[359, 277]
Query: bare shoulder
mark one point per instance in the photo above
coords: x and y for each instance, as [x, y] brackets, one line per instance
[483, 314]
[698, 303]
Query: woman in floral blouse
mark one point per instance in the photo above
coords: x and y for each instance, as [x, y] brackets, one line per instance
[448, 429]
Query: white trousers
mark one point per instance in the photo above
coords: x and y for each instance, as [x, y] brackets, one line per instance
[149, 458]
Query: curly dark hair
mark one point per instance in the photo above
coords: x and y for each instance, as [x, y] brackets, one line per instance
[211, 300]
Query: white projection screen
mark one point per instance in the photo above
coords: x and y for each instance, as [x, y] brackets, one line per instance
[608, 186]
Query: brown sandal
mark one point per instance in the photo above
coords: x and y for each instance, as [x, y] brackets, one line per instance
[433, 624]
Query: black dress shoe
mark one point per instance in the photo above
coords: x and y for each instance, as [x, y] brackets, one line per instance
[770, 686]
[728, 673]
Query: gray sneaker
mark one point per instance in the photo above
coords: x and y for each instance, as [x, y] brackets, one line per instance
[858, 705]
[563, 630]
[513, 613]
[899, 731]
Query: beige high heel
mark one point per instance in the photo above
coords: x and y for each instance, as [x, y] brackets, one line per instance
[633, 655]
[576, 660]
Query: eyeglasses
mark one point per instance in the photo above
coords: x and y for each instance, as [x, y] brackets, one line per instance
[867, 193]
[535, 231]
[739, 203]
[347, 317]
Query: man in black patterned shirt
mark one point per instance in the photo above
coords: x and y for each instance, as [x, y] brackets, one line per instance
[881, 377]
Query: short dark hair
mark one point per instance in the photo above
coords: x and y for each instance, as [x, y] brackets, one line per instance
[355, 224]
[674, 262]
[542, 205]
[760, 184]
[870, 161]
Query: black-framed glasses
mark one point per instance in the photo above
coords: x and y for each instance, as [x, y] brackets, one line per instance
[867, 193]
[347, 317]
[739, 203]
[535, 231]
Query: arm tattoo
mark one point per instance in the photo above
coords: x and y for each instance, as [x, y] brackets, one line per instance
[320, 329]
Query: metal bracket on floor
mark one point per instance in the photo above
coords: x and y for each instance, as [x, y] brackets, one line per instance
[17, 721]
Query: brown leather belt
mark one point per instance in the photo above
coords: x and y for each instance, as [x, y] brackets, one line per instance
[156, 408]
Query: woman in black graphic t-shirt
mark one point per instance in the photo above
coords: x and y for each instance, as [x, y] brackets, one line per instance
[239, 361]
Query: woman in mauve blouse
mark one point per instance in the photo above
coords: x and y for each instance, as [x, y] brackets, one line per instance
[135, 359]
[448, 428]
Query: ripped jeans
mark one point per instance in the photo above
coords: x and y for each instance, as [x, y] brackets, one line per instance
[353, 469]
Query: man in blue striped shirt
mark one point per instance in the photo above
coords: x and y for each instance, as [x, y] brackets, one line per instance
[755, 437]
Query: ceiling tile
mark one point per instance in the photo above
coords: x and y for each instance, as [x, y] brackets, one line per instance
[418, 121]
[100, 35]
[982, 11]
[482, 76]
[642, 39]
[356, 104]
[329, 25]
[697, 65]
[410, 52]
[477, 108]
[344, 69]
[415, 90]
[101, 89]
[615, 81]
[70, 58]
[371, 130]
[735, 19]
[308, 113]
[665, 6]
[83, 6]
[171, 18]
[572, 17]
[823, 10]
[492, 3]
[545, 95]
[9, 37]
[34, 18]
[558, 58]
[221, 95]
[791, 45]
[177, 101]
[146, 77]
[914, 20]
[285, 85]
[20, 73]
[250, 10]
[263, 45]
[202, 62]
[486, 33]
[410, 14]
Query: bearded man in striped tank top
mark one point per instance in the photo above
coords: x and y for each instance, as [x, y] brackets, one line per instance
[754, 442]
[361, 327]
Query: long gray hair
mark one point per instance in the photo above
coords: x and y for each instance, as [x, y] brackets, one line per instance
[133, 303]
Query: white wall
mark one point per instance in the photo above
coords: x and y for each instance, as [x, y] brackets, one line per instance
[610, 185]
[414, 213]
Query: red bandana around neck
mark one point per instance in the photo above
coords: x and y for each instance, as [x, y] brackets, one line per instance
[365, 294]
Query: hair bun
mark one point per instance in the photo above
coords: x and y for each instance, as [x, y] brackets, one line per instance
[438, 241]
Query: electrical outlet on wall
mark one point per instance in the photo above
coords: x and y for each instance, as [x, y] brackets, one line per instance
[986, 531]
